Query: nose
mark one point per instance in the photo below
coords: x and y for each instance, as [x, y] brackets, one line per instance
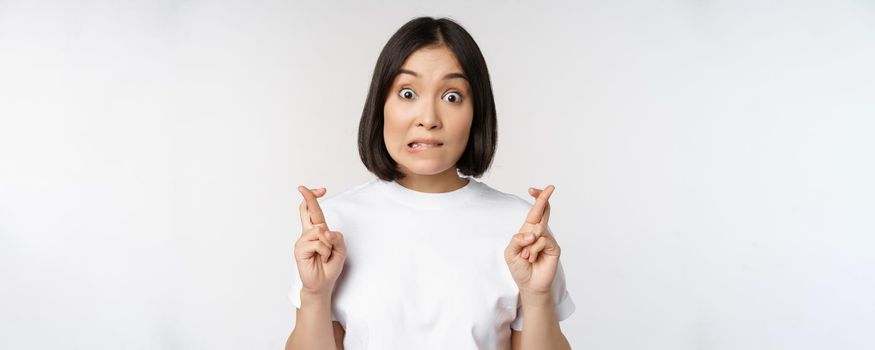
[429, 118]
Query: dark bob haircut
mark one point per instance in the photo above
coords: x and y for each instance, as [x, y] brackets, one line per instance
[417, 33]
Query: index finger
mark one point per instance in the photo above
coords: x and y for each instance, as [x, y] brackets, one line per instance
[537, 211]
[535, 192]
[316, 216]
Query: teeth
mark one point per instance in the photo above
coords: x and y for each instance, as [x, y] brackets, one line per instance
[420, 145]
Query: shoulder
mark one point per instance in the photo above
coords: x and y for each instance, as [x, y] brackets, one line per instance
[356, 194]
[500, 199]
[338, 203]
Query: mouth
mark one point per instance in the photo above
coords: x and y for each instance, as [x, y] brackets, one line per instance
[422, 146]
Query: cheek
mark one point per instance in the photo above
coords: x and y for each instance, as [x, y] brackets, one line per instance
[461, 129]
[393, 125]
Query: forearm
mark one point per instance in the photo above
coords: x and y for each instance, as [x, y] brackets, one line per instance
[313, 328]
[540, 325]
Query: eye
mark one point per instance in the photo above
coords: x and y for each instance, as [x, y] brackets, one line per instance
[453, 97]
[407, 93]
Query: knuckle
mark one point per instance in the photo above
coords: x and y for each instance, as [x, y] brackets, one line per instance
[301, 249]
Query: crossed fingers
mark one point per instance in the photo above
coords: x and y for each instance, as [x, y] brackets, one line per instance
[540, 212]
[536, 224]
[311, 213]
[312, 218]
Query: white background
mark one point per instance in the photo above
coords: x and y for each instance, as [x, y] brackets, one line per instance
[713, 163]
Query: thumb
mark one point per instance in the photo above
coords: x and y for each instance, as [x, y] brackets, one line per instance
[518, 242]
[337, 242]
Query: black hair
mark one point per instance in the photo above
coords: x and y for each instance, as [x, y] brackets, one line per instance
[417, 33]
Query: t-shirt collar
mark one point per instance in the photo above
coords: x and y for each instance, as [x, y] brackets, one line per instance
[428, 200]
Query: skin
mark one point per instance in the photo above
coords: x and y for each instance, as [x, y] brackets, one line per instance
[428, 100]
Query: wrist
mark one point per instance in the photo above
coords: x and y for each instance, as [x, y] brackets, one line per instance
[315, 298]
[536, 299]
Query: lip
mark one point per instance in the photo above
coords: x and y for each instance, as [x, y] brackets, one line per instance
[433, 142]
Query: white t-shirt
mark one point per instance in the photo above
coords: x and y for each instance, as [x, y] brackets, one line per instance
[427, 270]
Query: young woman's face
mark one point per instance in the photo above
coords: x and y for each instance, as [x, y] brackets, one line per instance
[429, 101]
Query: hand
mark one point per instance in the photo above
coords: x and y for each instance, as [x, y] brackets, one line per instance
[319, 252]
[533, 254]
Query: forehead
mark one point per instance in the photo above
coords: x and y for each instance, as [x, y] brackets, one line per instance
[432, 61]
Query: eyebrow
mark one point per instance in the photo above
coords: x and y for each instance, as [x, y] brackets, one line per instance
[455, 75]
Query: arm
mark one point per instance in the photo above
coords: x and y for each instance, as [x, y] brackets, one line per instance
[533, 258]
[540, 325]
[313, 326]
[319, 257]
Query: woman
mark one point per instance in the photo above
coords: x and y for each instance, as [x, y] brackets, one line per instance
[428, 258]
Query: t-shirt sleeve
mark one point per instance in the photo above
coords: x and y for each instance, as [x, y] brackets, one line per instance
[295, 290]
[562, 299]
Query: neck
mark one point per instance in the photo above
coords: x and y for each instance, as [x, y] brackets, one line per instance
[445, 181]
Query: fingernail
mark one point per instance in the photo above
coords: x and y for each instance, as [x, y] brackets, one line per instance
[529, 236]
